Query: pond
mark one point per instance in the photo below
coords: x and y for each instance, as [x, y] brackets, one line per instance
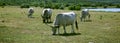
[106, 9]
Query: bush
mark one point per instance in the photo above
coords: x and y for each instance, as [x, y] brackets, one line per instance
[56, 6]
[74, 7]
[48, 6]
[61, 7]
[36, 5]
[41, 4]
[53, 6]
[77, 8]
[3, 5]
[105, 6]
[94, 5]
[71, 7]
[117, 6]
[25, 6]
[67, 5]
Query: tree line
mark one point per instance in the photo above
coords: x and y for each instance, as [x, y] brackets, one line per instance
[59, 4]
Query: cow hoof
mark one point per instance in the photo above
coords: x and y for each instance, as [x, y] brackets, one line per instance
[64, 33]
[53, 34]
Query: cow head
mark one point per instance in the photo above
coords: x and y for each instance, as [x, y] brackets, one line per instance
[54, 28]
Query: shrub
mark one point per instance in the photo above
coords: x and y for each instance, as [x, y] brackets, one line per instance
[105, 6]
[117, 6]
[94, 5]
[74, 7]
[25, 6]
[67, 5]
[36, 5]
[48, 6]
[56, 6]
[77, 8]
[2, 4]
[61, 7]
[71, 7]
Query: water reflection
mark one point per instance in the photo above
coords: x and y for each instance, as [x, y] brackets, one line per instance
[106, 9]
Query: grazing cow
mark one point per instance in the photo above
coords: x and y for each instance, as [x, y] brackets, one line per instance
[64, 19]
[85, 13]
[47, 13]
[30, 12]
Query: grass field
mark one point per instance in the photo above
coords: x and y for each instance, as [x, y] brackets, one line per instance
[15, 27]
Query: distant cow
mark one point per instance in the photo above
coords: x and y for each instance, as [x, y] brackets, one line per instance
[64, 19]
[30, 12]
[46, 16]
[85, 13]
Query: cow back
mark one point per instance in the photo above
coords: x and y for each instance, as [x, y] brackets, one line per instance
[65, 18]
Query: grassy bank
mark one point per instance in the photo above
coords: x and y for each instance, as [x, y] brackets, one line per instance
[15, 27]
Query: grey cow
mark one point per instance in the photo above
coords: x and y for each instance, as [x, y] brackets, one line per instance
[84, 14]
[46, 15]
[64, 19]
[30, 12]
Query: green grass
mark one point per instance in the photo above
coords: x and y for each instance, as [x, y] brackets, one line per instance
[15, 27]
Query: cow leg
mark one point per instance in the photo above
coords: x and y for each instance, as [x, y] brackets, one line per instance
[64, 29]
[81, 18]
[29, 15]
[54, 31]
[89, 16]
[43, 20]
[47, 20]
[50, 19]
[72, 30]
[58, 31]
[84, 19]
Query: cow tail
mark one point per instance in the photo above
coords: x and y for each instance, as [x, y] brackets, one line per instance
[76, 24]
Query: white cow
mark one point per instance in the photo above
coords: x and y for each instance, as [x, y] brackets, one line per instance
[30, 12]
[46, 16]
[64, 19]
[85, 13]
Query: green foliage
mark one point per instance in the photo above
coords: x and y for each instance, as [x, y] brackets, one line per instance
[67, 5]
[48, 5]
[59, 4]
[25, 6]
[56, 6]
[35, 4]
[105, 6]
[94, 5]
[71, 7]
[117, 6]
[3, 5]
[86, 5]
[77, 7]
[41, 4]
[74, 7]
[61, 7]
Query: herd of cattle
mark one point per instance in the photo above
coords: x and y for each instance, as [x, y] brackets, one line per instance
[62, 19]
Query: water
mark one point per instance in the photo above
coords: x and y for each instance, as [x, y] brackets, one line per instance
[106, 9]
